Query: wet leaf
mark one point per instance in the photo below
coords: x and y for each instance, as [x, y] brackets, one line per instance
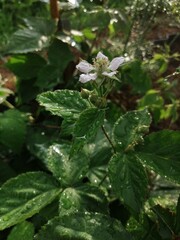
[129, 181]
[25, 195]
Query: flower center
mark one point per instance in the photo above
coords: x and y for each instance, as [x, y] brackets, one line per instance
[100, 64]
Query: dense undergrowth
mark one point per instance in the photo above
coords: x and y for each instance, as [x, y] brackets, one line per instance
[89, 120]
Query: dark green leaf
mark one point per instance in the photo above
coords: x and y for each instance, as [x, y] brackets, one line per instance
[67, 170]
[64, 103]
[26, 66]
[59, 54]
[25, 195]
[33, 38]
[84, 198]
[160, 152]
[129, 181]
[130, 128]
[6, 172]
[22, 231]
[88, 123]
[83, 226]
[12, 129]
[177, 222]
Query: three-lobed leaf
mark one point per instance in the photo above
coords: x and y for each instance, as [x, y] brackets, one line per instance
[23, 196]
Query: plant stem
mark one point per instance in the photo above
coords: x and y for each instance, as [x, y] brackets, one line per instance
[109, 140]
[54, 9]
[8, 104]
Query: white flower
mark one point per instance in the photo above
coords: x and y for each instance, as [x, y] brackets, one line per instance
[101, 66]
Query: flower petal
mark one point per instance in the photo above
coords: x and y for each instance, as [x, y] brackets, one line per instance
[87, 77]
[84, 67]
[100, 55]
[109, 74]
[115, 63]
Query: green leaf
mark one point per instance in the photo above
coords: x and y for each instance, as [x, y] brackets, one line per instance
[35, 37]
[64, 103]
[98, 164]
[177, 222]
[129, 129]
[23, 231]
[6, 171]
[165, 221]
[67, 170]
[160, 152]
[12, 129]
[129, 181]
[135, 75]
[59, 54]
[84, 198]
[25, 195]
[83, 226]
[26, 66]
[88, 123]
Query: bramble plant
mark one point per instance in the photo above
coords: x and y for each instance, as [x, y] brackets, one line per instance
[83, 151]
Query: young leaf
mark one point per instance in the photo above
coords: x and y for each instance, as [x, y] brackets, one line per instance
[84, 198]
[22, 231]
[83, 226]
[63, 103]
[129, 181]
[160, 152]
[88, 123]
[130, 128]
[67, 170]
[12, 129]
[25, 195]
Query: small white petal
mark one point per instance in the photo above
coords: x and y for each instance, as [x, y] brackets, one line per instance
[100, 55]
[109, 74]
[115, 63]
[84, 67]
[87, 77]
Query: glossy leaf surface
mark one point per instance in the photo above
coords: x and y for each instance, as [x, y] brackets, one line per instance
[129, 129]
[25, 195]
[129, 180]
[64, 103]
[83, 226]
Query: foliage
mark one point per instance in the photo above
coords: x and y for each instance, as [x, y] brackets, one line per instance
[89, 159]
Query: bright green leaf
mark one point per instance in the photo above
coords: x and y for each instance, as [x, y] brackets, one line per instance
[64, 103]
[25, 195]
[22, 231]
[161, 152]
[129, 181]
[83, 226]
[129, 129]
